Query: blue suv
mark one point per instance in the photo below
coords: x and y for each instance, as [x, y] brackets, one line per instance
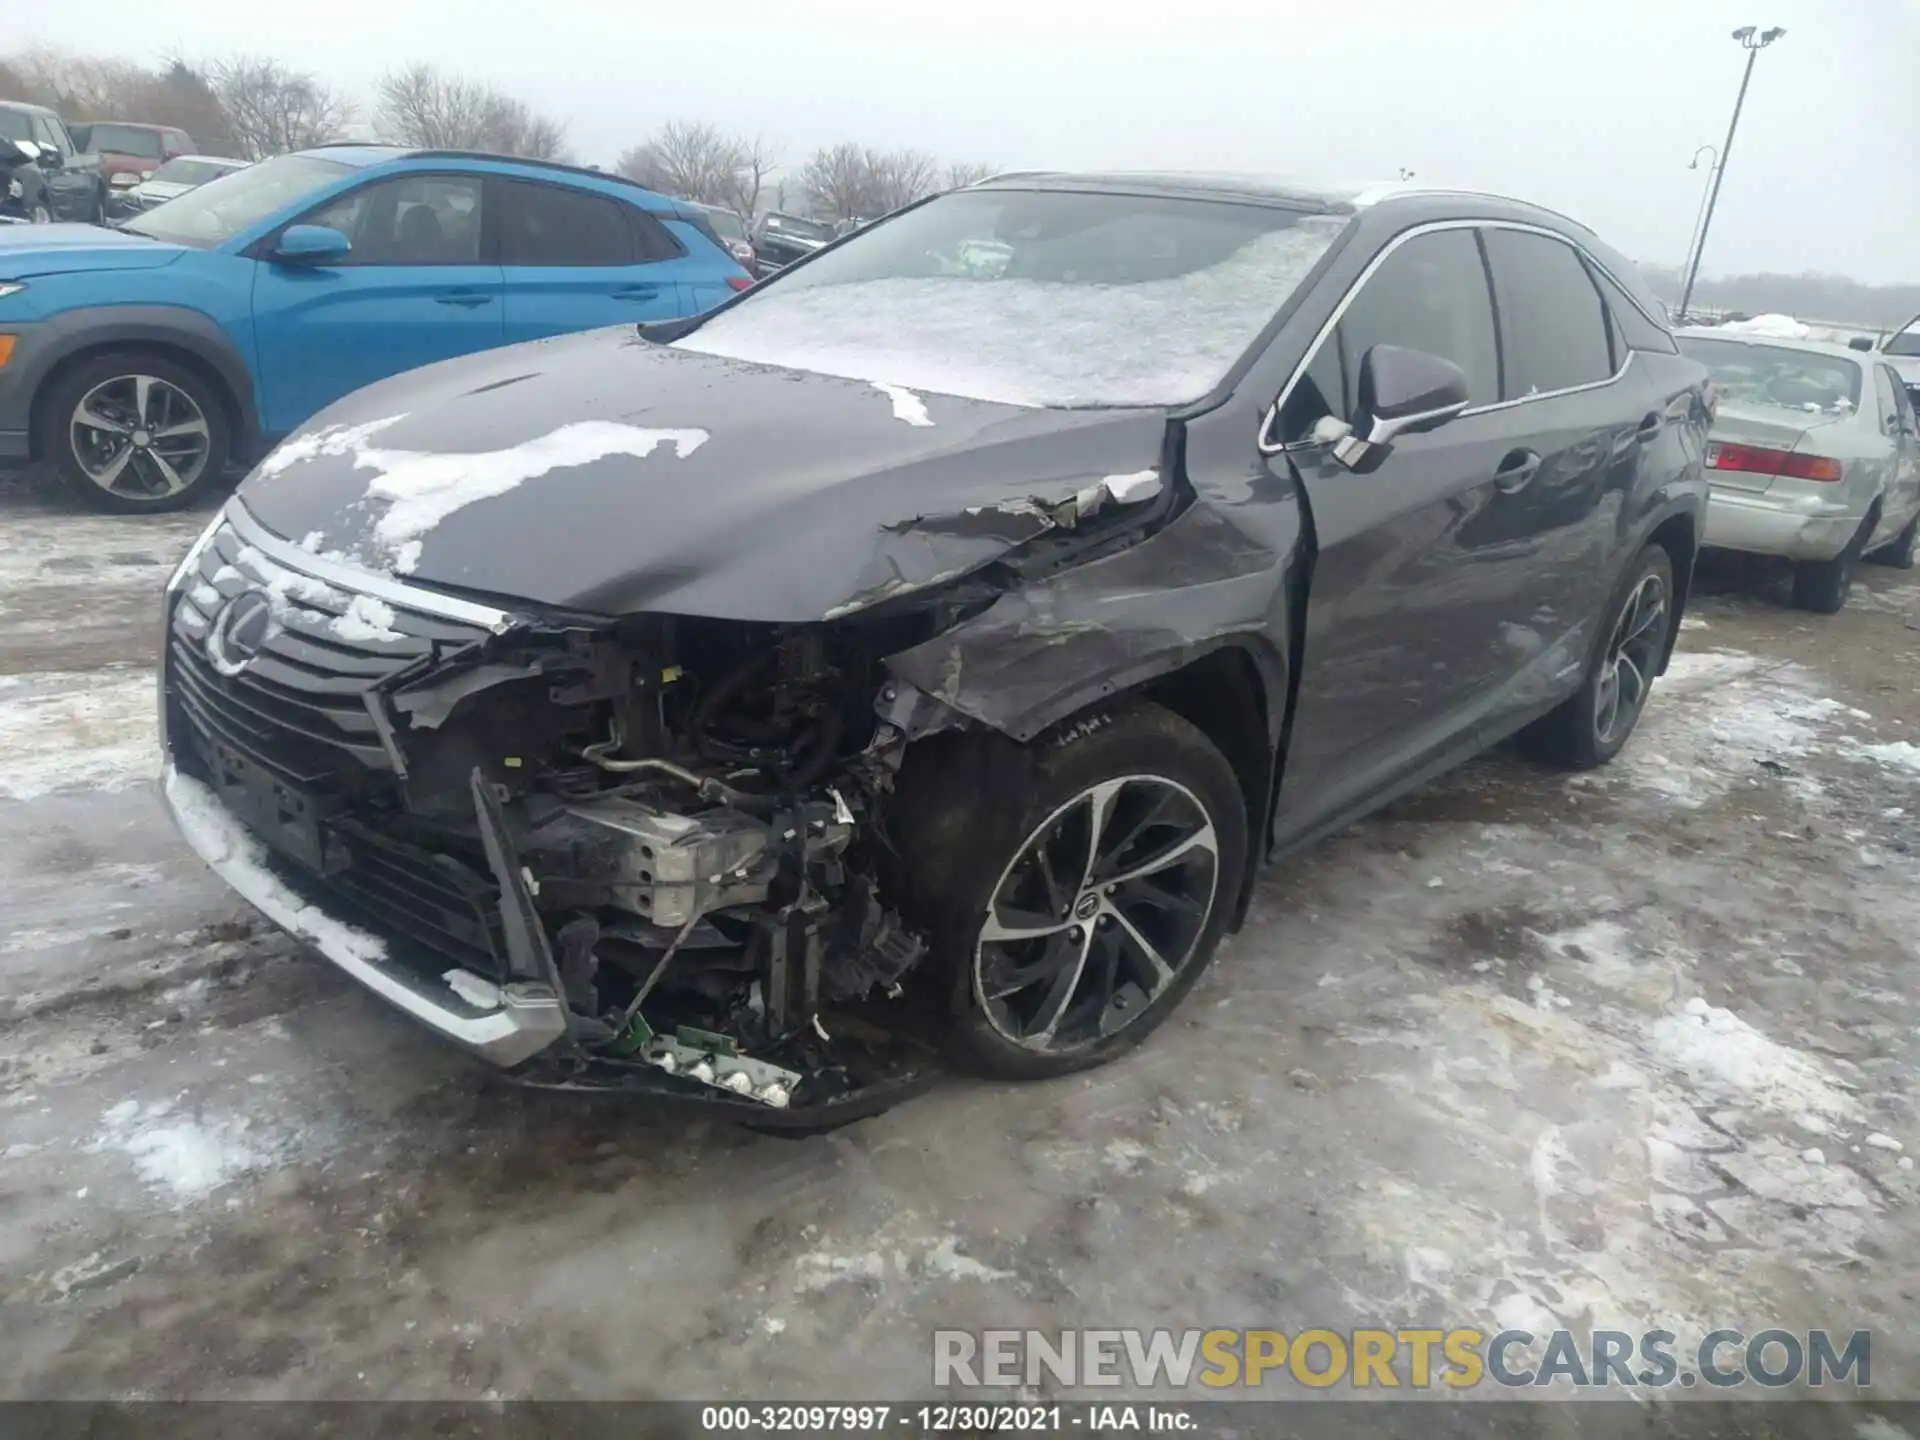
[140, 360]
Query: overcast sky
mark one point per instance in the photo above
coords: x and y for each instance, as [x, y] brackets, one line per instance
[1593, 109]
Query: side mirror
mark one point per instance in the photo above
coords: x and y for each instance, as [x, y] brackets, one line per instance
[1861, 342]
[310, 245]
[1402, 392]
[29, 150]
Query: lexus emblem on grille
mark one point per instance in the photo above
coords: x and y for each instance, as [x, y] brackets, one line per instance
[241, 629]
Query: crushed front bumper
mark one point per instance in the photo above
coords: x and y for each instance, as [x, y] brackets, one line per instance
[1794, 527]
[523, 1021]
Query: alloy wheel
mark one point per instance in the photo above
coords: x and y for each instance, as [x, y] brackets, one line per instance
[140, 436]
[1633, 650]
[1101, 907]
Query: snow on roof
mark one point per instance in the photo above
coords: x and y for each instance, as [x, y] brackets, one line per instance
[1774, 327]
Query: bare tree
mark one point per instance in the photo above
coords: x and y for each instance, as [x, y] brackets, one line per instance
[848, 181]
[754, 163]
[271, 109]
[421, 107]
[962, 173]
[698, 161]
[900, 177]
[838, 181]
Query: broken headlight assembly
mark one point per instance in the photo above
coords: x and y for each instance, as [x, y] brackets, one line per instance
[689, 818]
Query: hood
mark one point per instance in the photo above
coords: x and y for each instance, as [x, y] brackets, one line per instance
[162, 189]
[606, 473]
[30, 250]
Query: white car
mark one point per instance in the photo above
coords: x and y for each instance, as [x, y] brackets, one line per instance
[177, 177]
[1813, 457]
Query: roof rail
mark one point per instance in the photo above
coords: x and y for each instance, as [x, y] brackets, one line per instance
[453, 154]
[1399, 190]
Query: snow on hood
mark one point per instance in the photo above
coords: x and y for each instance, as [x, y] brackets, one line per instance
[1774, 327]
[1159, 342]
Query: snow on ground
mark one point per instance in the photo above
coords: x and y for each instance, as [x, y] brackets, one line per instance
[91, 730]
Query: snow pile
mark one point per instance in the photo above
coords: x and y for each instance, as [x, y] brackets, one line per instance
[366, 619]
[1028, 342]
[227, 845]
[94, 730]
[1895, 754]
[907, 406]
[425, 488]
[1723, 1055]
[183, 1157]
[1773, 327]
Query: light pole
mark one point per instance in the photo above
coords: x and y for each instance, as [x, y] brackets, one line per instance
[1753, 43]
[1700, 211]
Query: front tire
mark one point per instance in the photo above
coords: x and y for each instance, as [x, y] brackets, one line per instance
[1076, 888]
[1591, 726]
[136, 433]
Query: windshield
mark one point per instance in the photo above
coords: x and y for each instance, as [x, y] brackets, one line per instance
[191, 172]
[1907, 342]
[804, 229]
[1778, 377]
[124, 140]
[217, 211]
[1035, 297]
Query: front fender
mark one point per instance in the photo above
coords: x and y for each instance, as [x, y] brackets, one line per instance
[70, 332]
[1055, 647]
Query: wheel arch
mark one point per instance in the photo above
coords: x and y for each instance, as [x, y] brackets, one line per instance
[185, 337]
[1679, 535]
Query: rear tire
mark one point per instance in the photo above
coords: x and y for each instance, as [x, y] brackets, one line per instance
[1822, 586]
[114, 457]
[997, 838]
[1899, 552]
[1590, 727]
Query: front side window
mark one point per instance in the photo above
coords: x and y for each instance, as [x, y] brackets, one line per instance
[408, 220]
[221, 209]
[1778, 377]
[1553, 325]
[15, 125]
[1430, 293]
[1035, 297]
[1907, 342]
[548, 225]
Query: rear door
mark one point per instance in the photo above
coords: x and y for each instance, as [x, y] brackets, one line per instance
[574, 259]
[1590, 420]
[419, 285]
[1420, 570]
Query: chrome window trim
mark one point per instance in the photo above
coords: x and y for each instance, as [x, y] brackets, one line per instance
[354, 580]
[1266, 443]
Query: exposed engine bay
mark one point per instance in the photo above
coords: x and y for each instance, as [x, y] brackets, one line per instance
[696, 811]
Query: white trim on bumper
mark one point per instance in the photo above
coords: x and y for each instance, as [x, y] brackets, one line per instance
[524, 1021]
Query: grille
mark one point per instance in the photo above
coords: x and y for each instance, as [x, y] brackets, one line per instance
[299, 708]
[433, 900]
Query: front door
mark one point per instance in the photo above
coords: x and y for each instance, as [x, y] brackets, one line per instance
[1411, 593]
[573, 259]
[419, 285]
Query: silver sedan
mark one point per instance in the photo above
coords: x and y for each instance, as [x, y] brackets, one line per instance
[1813, 457]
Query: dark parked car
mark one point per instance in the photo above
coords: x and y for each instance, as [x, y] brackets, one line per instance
[782, 239]
[909, 652]
[75, 187]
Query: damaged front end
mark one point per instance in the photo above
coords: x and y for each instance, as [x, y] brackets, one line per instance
[645, 854]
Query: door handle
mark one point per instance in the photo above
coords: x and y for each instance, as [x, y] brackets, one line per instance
[1649, 430]
[1516, 472]
[637, 292]
[468, 298]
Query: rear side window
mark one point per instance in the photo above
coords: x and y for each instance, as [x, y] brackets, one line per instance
[1553, 327]
[549, 225]
[1631, 327]
[1428, 294]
